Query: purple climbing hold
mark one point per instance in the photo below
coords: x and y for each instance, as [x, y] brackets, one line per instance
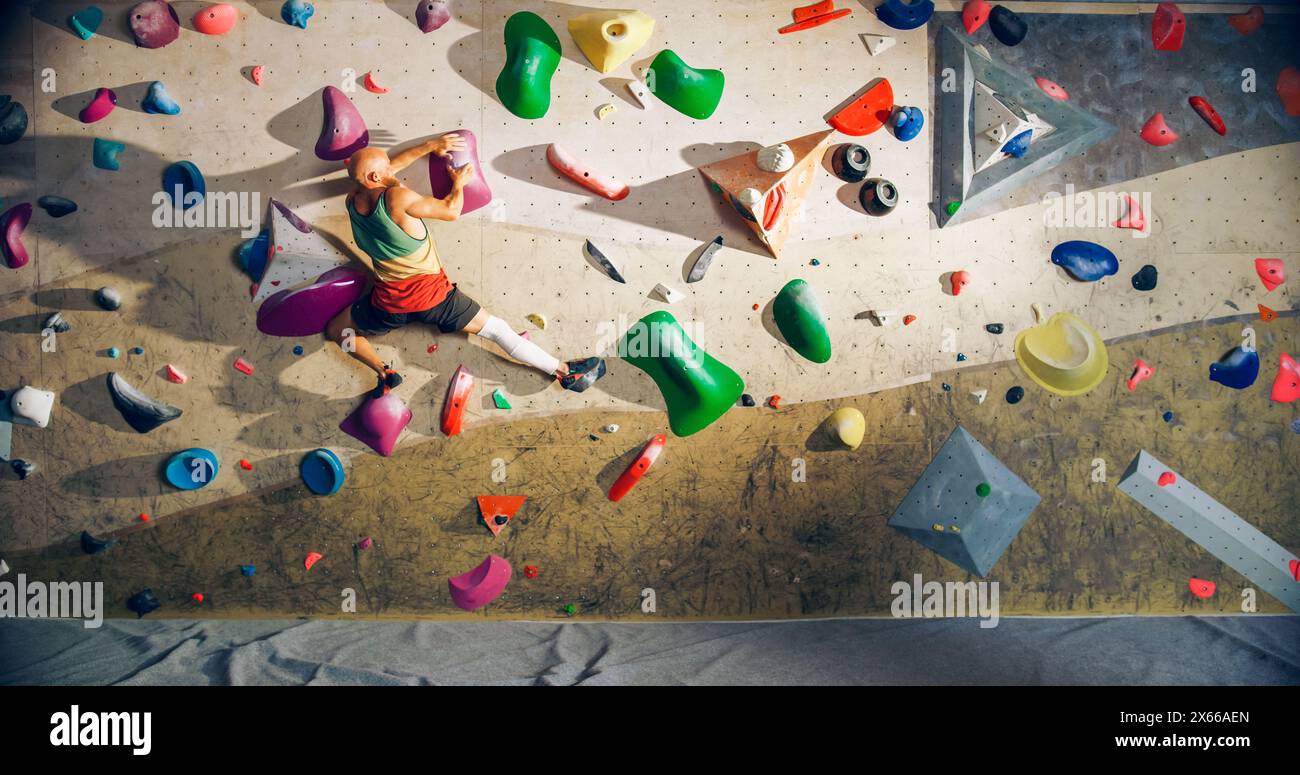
[100, 106]
[154, 24]
[432, 14]
[12, 223]
[344, 132]
[378, 422]
[306, 311]
[477, 192]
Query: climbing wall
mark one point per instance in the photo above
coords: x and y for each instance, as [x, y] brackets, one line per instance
[187, 301]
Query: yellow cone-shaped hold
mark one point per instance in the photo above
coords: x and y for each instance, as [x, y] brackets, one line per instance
[848, 426]
[610, 38]
[1064, 355]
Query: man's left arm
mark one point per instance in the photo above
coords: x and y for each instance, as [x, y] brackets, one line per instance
[440, 145]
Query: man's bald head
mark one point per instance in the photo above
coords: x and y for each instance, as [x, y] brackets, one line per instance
[371, 168]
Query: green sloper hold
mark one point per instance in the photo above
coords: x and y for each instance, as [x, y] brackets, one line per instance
[685, 89]
[532, 54]
[697, 388]
[798, 314]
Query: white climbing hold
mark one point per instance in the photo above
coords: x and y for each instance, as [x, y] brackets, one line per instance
[883, 317]
[1038, 312]
[604, 111]
[4, 568]
[611, 428]
[536, 319]
[877, 43]
[32, 406]
[669, 295]
[640, 93]
[980, 395]
[775, 158]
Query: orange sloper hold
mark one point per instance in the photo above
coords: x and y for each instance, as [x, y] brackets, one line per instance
[867, 113]
[769, 201]
[1267, 315]
[498, 510]
[1271, 271]
[1286, 385]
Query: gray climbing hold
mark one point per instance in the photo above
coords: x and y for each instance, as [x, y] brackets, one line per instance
[139, 410]
[57, 206]
[23, 468]
[994, 328]
[108, 298]
[57, 323]
[704, 261]
[143, 602]
[943, 513]
[604, 263]
[13, 120]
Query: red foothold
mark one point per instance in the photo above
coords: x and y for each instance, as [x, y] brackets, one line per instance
[243, 365]
[176, 375]
[364, 543]
[1286, 385]
[312, 559]
[1271, 271]
[973, 15]
[1201, 588]
[1247, 22]
[1167, 28]
[244, 464]
[1134, 218]
[197, 597]
[1295, 569]
[1288, 90]
[1141, 373]
[143, 517]
[755, 307]
[433, 348]
[531, 571]
[774, 402]
[1267, 315]
[909, 320]
[256, 74]
[1156, 132]
[371, 86]
[1166, 479]
[1206, 111]
[1052, 89]
[959, 280]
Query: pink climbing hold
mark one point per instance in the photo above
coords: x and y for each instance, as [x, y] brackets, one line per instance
[216, 19]
[959, 280]
[432, 14]
[1166, 479]
[256, 74]
[311, 559]
[1142, 371]
[471, 591]
[1156, 132]
[1286, 385]
[564, 162]
[12, 224]
[306, 311]
[176, 375]
[1207, 112]
[154, 23]
[103, 103]
[1133, 217]
[1271, 271]
[973, 15]
[1247, 22]
[344, 132]
[371, 85]
[477, 194]
[243, 365]
[1167, 27]
[1288, 90]
[378, 422]
[1052, 89]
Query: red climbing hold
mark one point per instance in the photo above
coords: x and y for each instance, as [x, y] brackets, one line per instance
[458, 393]
[1134, 218]
[1206, 111]
[1167, 27]
[216, 19]
[243, 365]
[1267, 315]
[1288, 90]
[867, 113]
[433, 348]
[1271, 271]
[1166, 479]
[1156, 132]
[498, 510]
[1286, 385]
[197, 597]
[909, 320]
[629, 478]
[814, 15]
[774, 402]
[1247, 22]
[959, 280]
[311, 559]
[372, 86]
[1295, 569]
[256, 74]
[176, 375]
[806, 12]
[244, 464]
[1201, 588]
[531, 571]
[973, 15]
[1142, 372]
[1052, 89]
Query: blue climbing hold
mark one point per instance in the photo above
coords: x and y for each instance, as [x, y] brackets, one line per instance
[157, 100]
[137, 351]
[1017, 146]
[297, 349]
[1086, 261]
[248, 570]
[192, 469]
[1238, 369]
[86, 21]
[1167, 416]
[908, 122]
[946, 387]
[112, 352]
[1015, 394]
[322, 472]
[297, 12]
[961, 357]
[105, 154]
[903, 15]
[1295, 425]
[253, 253]
[185, 180]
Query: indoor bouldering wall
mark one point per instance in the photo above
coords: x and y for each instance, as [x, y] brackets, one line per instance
[725, 521]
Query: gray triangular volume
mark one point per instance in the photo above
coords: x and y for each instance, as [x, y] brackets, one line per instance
[961, 133]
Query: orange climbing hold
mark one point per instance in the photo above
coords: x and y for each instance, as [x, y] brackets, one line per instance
[311, 559]
[1201, 588]
[959, 280]
[909, 320]
[1247, 22]
[809, 16]
[498, 510]
[1166, 479]
[1156, 132]
[973, 15]
[216, 19]
[867, 113]
[1271, 271]
[1286, 385]
[1288, 90]
[1167, 27]
[1267, 315]
[774, 402]
[1142, 371]
[1133, 218]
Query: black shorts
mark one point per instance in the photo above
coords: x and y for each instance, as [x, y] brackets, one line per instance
[450, 315]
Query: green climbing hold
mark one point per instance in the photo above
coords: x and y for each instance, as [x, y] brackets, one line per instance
[683, 88]
[798, 314]
[532, 54]
[569, 609]
[952, 208]
[86, 21]
[499, 399]
[697, 388]
[983, 489]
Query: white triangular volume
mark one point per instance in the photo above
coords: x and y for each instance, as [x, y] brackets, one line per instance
[980, 395]
[640, 93]
[298, 254]
[669, 295]
[877, 43]
[4, 567]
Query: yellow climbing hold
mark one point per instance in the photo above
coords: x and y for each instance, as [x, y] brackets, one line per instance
[610, 38]
[536, 319]
[604, 111]
[1064, 355]
[848, 426]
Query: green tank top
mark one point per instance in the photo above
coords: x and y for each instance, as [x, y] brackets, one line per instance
[379, 236]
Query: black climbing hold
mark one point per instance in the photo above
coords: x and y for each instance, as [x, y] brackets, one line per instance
[140, 411]
[13, 120]
[878, 196]
[993, 328]
[93, 545]
[57, 206]
[583, 374]
[747, 400]
[851, 162]
[1145, 279]
[1007, 26]
[501, 519]
[108, 298]
[946, 387]
[143, 602]
[1015, 394]
[57, 322]
[603, 262]
[961, 357]
[22, 467]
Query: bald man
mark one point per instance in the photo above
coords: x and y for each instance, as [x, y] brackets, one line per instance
[410, 285]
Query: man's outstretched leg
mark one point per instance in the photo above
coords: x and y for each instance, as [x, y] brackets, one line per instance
[574, 375]
[342, 330]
